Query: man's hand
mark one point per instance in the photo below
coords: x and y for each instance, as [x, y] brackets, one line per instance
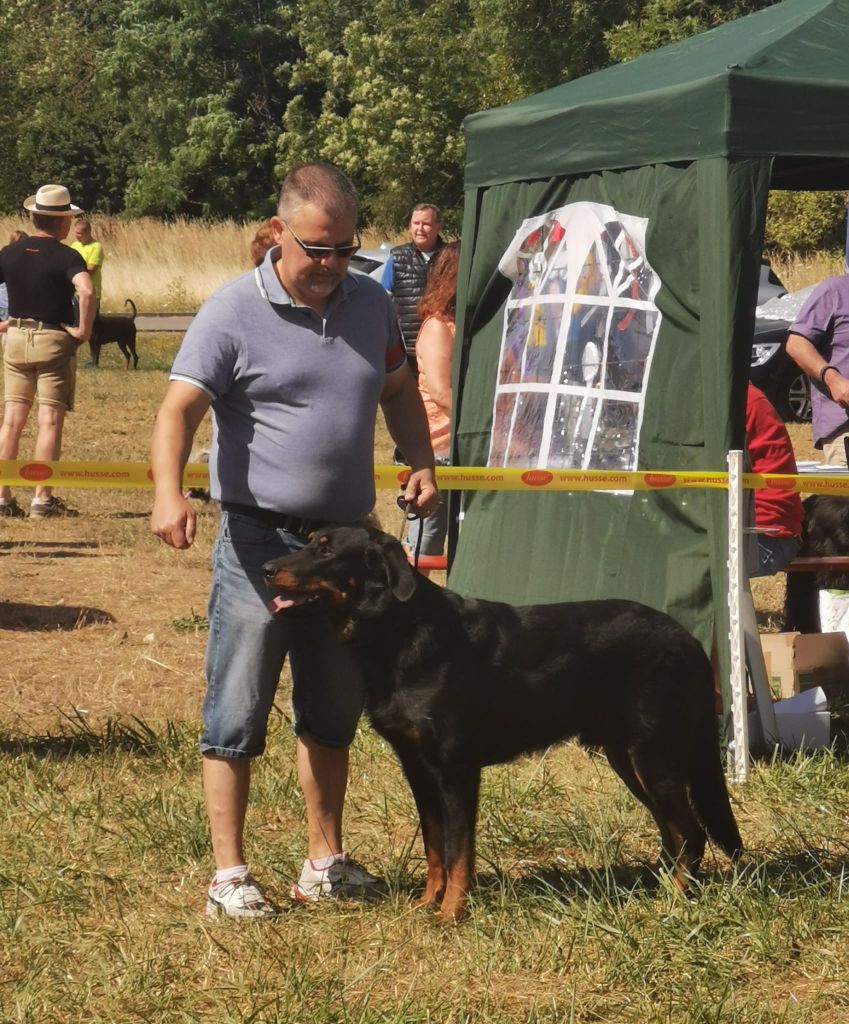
[173, 521]
[838, 387]
[4, 326]
[421, 494]
[76, 333]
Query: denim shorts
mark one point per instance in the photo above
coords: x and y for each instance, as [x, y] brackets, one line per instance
[433, 530]
[247, 647]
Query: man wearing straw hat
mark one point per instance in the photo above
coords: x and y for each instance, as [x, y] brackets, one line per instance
[39, 351]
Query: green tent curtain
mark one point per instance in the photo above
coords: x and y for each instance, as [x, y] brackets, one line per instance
[664, 548]
[683, 142]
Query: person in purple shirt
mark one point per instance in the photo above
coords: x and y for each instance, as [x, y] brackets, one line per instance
[818, 342]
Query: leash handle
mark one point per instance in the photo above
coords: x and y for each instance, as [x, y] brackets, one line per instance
[410, 514]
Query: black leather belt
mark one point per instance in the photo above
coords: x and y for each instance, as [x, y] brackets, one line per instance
[34, 325]
[279, 520]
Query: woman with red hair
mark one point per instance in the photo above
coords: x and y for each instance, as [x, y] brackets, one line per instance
[434, 344]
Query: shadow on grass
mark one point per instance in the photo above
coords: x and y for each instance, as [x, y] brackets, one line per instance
[622, 880]
[77, 738]
[779, 873]
[46, 618]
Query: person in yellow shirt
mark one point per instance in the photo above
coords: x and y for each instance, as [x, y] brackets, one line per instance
[90, 250]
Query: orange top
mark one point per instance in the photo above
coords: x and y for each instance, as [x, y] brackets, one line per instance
[439, 421]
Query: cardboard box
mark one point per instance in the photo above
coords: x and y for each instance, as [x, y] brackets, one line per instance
[798, 661]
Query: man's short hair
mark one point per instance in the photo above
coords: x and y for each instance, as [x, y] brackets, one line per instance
[428, 206]
[83, 222]
[46, 222]
[321, 184]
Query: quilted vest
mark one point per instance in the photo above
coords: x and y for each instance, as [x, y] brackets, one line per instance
[411, 270]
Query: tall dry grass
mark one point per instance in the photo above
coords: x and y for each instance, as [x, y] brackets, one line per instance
[168, 266]
[798, 270]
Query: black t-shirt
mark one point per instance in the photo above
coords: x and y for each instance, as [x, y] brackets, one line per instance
[39, 273]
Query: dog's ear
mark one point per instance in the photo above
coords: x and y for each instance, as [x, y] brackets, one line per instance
[399, 573]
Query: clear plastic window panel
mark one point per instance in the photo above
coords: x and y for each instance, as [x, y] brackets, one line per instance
[579, 331]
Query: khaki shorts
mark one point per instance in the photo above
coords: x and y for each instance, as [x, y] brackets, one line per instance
[42, 363]
[833, 448]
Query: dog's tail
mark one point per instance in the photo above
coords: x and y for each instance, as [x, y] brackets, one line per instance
[132, 305]
[708, 791]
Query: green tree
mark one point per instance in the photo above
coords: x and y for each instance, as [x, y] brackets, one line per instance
[199, 83]
[659, 22]
[806, 220]
[56, 123]
[382, 88]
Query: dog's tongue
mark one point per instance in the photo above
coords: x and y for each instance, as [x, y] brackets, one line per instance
[277, 604]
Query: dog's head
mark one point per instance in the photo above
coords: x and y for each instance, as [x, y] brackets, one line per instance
[342, 569]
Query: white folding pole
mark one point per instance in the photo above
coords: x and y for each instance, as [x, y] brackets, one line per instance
[737, 580]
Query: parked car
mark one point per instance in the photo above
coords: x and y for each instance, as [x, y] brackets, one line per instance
[772, 370]
[370, 261]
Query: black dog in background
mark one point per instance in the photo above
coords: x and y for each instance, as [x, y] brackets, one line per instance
[825, 532]
[117, 327]
[454, 685]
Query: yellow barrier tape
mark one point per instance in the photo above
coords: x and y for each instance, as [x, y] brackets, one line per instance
[116, 475]
[104, 475]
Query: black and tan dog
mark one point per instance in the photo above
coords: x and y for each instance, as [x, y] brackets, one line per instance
[455, 684]
[117, 327]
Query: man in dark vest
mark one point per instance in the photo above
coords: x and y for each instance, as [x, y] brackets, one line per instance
[406, 270]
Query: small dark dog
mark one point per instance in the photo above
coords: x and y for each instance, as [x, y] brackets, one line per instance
[825, 532]
[454, 685]
[117, 327]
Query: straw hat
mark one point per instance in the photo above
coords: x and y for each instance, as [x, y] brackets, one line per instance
[52, 201]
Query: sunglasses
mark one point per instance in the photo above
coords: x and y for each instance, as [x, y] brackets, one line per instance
[324, 252]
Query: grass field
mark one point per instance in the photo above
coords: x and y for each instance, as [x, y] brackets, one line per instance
[104, 852]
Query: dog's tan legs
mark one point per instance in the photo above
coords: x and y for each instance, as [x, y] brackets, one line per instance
[423, 785]
[460, 798]
[682, 835]
[436, 874]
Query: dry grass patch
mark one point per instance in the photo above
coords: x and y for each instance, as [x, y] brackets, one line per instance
[168, 266]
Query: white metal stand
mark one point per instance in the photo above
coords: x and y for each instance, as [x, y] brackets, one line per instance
[736, 582]
[744, 635]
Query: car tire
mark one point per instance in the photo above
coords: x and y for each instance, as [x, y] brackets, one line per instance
[792, 396]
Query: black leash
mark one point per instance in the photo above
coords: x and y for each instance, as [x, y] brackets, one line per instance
[409, 516]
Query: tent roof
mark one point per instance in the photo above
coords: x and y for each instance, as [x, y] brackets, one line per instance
[772, 84]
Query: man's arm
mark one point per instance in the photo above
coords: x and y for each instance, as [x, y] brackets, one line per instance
[407, 424]
[808, 358]
[179, 416]
[88, 307]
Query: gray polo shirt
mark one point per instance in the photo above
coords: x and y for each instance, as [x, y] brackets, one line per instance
[294, 395]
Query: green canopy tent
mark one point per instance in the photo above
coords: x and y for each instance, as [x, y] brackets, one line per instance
[611, 242]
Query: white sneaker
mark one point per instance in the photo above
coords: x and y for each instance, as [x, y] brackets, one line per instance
[345, 879]
[240, 897]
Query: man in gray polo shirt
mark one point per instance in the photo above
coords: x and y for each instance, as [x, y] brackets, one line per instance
[293, 358]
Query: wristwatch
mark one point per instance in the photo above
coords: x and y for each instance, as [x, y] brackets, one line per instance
[825, 370]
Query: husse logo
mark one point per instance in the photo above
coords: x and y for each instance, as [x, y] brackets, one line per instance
[660, 479]
[537, 477]
[36, 471]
